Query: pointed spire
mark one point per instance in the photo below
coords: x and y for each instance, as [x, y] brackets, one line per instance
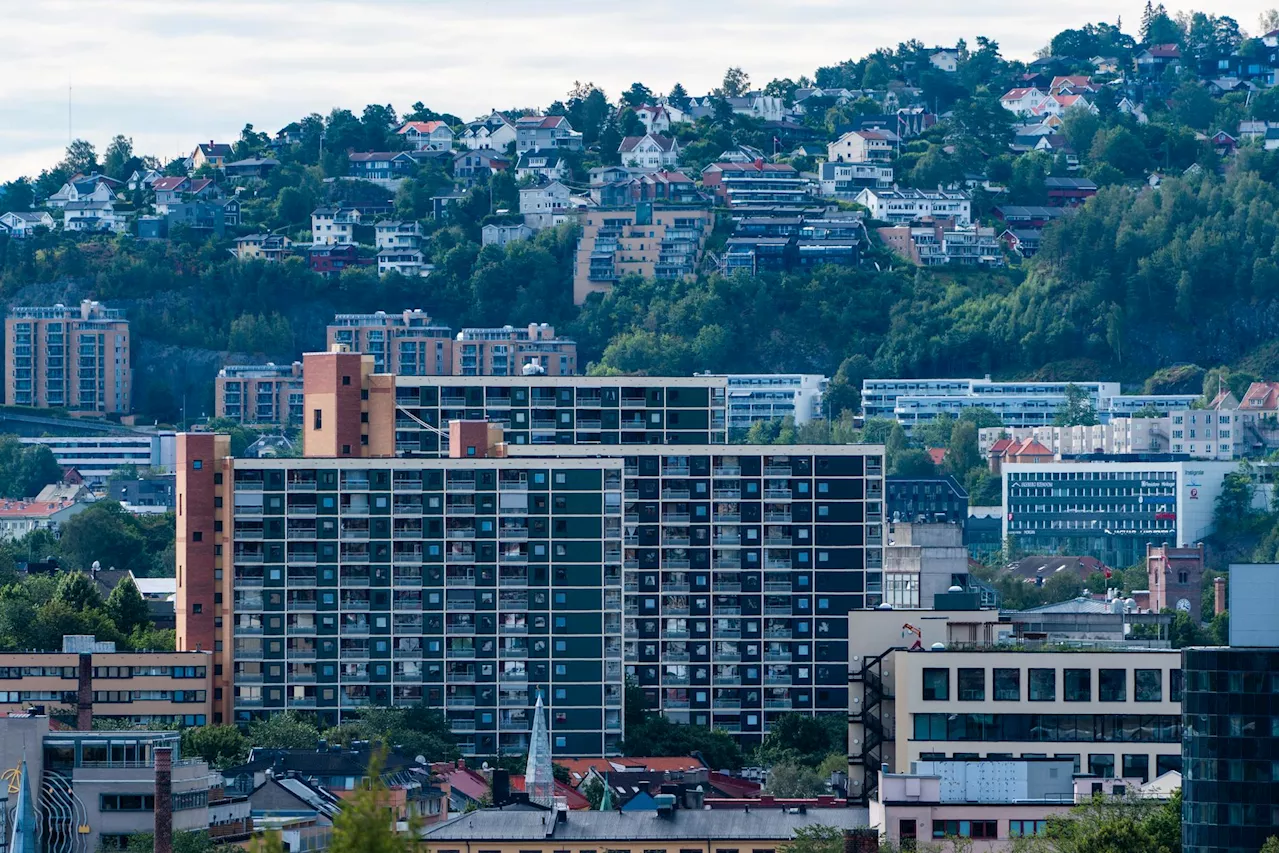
[606, 802]
[24, 821]
[539, 781]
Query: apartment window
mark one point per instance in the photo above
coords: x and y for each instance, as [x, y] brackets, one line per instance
[1005, 686]
[971, 684]
[1102, 766]
[937, 686]
[316, 419]
[127, 802]
[964, 828]
[1146, 685]
[1175, 685]
[1023, 828]
[1077, 685]
[1042, 685]
[1111, 685]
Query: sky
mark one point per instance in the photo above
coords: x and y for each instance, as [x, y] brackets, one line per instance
[171, 73]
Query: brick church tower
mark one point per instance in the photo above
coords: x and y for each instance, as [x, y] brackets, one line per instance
[1174, 576]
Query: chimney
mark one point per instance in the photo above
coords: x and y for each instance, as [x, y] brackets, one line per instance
[164, 799]
[84, 694]
[1219, 595]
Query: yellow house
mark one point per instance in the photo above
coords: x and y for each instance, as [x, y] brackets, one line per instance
[210, 154]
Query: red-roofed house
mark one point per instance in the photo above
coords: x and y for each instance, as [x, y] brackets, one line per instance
[18, 518]
[580, 768]
[1028, 451]
[174, 190]
[658, 118]
[427, 135]
[1072, 81]
[1023, 100]
[1258, 412]
[534, 133]
[667, 186]
[862, 146]
[937, 454]
[1261, 397]
[1224, 143]
[651, 151]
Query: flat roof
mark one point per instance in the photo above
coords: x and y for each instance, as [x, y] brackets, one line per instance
[566, 450]
[543, 381]
[418, 463]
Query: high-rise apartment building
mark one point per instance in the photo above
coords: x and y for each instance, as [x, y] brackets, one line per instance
[718, 575]
[259, 394]
[69, 357]
[407, 343]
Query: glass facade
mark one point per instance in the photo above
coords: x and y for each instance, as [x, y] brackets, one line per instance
[1230, 749]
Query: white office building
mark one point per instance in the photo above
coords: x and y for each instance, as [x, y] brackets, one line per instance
[1019, 404]
[96, 457]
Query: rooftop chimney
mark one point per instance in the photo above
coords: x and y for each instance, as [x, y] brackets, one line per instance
[84, 694]
[1219, 595]
[164, 799]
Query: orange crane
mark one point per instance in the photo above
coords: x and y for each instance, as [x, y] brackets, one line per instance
[907, 626]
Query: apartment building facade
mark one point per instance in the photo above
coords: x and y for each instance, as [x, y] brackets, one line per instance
[142, 688]
[69, 357]
[265, 394]
[649, 239]
[1111, 510]
[560, 410]
[405, 343]
[772, 397]
[733, 565]
[511, 351]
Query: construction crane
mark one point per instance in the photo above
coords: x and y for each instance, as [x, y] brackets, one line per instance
[908, 627]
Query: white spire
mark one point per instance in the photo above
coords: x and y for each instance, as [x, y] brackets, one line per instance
[539, 781]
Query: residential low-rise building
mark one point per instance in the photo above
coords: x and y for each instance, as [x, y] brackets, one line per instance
[500, 234]
[397, 234]
[409, 262]
[846, 180]
[427, 135]
[756, 182]
[862, 146]
[545, 206]
[330, 260]
[334, 226]
[18, 518]
[1069, 192]
[92, 187]
[495, 132]
[272, 248]
[539, 132]
[648, 239]
[111, 215]
[652, 151]
[22, 224]
[938, 499]
[910, 205]
[542, 164]
[266, 394]
[406, 343]
[510, 351]
[942, 242]
[755, 397]
[384, 168]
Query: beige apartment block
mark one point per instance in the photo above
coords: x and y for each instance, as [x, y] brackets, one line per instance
[266, 394]
[406, 343]
[649, 240]
[69, 357]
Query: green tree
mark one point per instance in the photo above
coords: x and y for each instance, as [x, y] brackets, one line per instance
[118, 160]
[875, 75]
[220, 746]
[913, 462]
[126, 607]
[594, 792]
[81, 157]
[735, 84]
[78, 591]
[895, 444]
[803, 740]
[962, 452]
[1077, 409]
[815, 838]
[183, 842]
[104, 533]
[1080, 125]
[366, 823]
[289, 730]
[795, 780]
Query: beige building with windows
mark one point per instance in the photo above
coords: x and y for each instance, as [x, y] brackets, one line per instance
[405, 343]
[69, 357]
[1113, 713]
[647, 239]
[513, 351]
[259, 394]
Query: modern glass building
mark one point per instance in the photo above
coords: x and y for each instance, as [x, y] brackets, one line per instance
[1230, 749]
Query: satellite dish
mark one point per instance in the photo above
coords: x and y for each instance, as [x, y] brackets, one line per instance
[421, 759]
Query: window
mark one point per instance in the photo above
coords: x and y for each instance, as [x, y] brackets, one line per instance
[1005, 686]
[1136, 766]
[937, 686]
[316, 419]
[1146, 685]
[197, 464]
[1023, 828]
[971, 684]
[128, 802]
[1042, 685]
[1103, 766]
[1175, 685]
[1077, 685]
[964, 828]
[1111, 685]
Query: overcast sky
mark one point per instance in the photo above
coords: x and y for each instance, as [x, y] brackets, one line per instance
[169, 74]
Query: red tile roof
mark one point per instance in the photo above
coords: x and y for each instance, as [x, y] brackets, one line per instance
[1167, 51]
[579, 767]
[32, 509]
[937, 454]
[421, 126]
[575, 801]
[732, 785]
[168, 183]
[1261, 396]
[1001, 446]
